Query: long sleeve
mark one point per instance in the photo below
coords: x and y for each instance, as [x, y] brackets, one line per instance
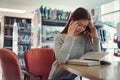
[96, 45]
[63, 48]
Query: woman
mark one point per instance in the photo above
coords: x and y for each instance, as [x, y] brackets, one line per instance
[78, 37]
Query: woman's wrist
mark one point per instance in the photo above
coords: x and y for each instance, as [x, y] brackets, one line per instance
[95, 37]
[70, 35]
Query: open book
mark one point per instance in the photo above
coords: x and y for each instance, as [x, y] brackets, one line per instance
[89, 59]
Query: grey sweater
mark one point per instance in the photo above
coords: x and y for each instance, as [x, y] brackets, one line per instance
[67, 47]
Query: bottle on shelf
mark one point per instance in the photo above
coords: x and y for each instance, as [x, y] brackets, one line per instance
[54, 14]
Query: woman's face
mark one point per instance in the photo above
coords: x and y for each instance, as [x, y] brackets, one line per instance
[82, 24]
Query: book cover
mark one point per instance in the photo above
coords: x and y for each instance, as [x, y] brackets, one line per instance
[89, 59]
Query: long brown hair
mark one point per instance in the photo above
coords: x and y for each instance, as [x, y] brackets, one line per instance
[79, 13]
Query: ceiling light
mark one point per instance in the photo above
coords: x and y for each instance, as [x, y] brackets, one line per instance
[12, 10]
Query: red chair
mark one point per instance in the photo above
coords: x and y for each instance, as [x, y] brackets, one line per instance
[10, 65]
[39, 61]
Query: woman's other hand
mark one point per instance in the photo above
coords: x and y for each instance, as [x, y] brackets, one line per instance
[72, 27]
[93, 31]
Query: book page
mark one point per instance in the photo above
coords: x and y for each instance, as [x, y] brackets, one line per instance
[94, 55]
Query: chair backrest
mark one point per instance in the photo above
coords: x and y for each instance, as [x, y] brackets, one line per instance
[39, 61]
[10, 65]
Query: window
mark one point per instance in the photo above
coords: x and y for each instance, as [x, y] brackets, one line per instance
[110, 15]
[111, 19]
[110, 7]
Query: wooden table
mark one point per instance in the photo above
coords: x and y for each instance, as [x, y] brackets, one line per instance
[102, 72]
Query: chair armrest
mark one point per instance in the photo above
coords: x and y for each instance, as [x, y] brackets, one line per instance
[32, 74]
